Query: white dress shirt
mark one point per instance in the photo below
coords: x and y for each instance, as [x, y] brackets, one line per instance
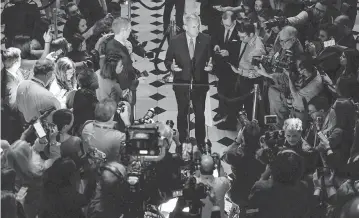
[189, 41]
[230, 32]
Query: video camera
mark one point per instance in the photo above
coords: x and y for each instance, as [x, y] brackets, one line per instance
[276, 22]
[271, 141]
[287, 62]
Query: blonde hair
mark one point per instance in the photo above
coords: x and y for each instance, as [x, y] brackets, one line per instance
[10, 56]
[293, 124]
[19, 158]
[119, 24]
[62, 65]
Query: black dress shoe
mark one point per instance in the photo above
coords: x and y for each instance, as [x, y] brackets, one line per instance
[225, 125]
[218, 117]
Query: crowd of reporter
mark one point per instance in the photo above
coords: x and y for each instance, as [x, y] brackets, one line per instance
[82, 90]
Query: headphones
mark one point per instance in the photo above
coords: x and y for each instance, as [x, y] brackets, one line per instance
[114, 170]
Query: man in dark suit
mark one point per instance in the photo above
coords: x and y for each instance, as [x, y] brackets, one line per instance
[226, 47]
[189, 58]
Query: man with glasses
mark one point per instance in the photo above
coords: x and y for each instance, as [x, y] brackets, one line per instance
[251, 46]
[279, 90]
[310, 19]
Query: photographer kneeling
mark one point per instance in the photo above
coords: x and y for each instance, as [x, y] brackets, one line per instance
[102, 132]
[293, 141]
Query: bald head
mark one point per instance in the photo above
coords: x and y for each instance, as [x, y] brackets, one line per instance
[207, 165]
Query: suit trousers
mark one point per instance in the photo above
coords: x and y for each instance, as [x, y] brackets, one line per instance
[225, 87]
[180, 6]
[198, 97]
[277, 106]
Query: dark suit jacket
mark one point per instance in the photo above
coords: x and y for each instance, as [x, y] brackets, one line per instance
[178, 50]
[233, 46]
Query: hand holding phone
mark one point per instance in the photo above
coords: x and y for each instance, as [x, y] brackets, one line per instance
[40, 132]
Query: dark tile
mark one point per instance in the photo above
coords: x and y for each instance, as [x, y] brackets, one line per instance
[191, 111]
[157, 61]
[156, 23]
[159, 110]
[134, 8]
[226, 141]
[157, 83]
[215, 96]
[60, 23]
[156, 72]
[156, 40]
[191, 125]
[157, 50]
[133, 23]
[157, 31]
[134, 15]
[157, 96]
[216, 110]
[156, 15]
[214, 83]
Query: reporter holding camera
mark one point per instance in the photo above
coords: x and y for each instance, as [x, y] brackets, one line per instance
[102, 134]
[307, 85]
[293, 141]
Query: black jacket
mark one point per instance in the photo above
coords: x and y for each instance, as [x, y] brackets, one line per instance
[191, 69]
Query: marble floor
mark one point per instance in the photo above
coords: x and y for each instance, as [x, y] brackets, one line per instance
[152, 91]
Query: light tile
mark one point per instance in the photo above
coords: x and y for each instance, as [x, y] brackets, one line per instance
[145, 90]
[143, 104]
[168, 103]
[167, 90]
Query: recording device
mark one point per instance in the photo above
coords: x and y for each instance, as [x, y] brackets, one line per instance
[41, 126]
[142, 141]
[147, 118]
[270, 119]
[329, 43]
[40, 132]
[96, 154]
[285, 63]
[276, 22]
[272, 140]
[322, 137]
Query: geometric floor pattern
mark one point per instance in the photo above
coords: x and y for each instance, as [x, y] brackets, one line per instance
[152, 93]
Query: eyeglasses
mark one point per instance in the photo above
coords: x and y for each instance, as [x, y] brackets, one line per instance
[319, 10]
[283, 41]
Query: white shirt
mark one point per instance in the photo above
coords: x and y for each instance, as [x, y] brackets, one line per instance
[230, 32]
[189, 41]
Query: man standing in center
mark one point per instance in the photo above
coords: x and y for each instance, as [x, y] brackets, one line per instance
[189, 58]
